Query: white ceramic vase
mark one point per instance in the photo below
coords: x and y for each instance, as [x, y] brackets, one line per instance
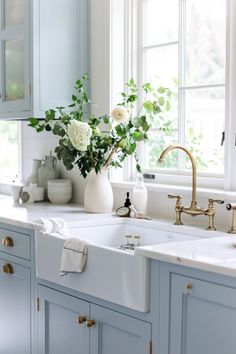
[33, 178]
[98, 195]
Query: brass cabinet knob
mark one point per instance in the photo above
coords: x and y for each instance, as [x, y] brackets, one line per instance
[81, 319]
[7, 241]
[189, 286]
[7, 268]
[90, 323]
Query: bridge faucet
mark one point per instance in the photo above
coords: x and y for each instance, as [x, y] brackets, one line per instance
[193, 209]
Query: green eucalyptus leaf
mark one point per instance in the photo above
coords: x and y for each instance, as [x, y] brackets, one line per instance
[161, 101]
[137, 135]
[148, 105]
[33, 122]
[40, 128]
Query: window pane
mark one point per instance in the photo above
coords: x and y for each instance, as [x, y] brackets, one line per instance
[205, 41]
[157, 28]
[14, 12]
[205, 112]
[14, 69]
[156, 144]
[9, 164]
[162, 63]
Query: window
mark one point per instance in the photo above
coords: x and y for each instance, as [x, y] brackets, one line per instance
[183, 47]
[9, 149]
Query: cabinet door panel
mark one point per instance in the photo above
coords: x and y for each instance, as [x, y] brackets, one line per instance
[203, 319]
[15, 310]
[14, 69]
[14, 12]
[59, 330]
[15, 58]
[62, 50]
[114, 333]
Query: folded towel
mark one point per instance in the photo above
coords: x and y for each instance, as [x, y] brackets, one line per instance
[54, 226]
[74, 256]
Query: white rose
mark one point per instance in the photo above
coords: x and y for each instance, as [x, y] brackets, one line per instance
[79, 134]
[120, 114]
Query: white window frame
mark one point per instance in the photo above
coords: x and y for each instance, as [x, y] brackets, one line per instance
[6, 183]
[227, 182]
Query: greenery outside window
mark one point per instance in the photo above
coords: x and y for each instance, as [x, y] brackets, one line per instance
[183, 46]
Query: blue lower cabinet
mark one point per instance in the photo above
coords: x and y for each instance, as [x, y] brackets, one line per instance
[68, 325]
[15, 309]
[202, 317]
[61, 323]
[115, 333]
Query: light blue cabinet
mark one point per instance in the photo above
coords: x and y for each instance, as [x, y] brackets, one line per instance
[17, 302]
[59, 330]
[115, 333]
[67, 324]
[197, 315]
[15, 308]
[14, 57]
[43, 51]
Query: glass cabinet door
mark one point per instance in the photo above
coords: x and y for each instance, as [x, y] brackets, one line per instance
[14, 69]
[14, 12]
[15, 63]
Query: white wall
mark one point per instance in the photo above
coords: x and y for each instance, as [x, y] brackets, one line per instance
[34, 146]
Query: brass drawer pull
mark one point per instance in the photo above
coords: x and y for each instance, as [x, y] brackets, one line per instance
[7, 268]
[81, 319]
[7, 241]
[90, 323]
[189, 286]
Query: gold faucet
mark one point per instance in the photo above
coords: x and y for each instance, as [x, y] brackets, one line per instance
[193, 209]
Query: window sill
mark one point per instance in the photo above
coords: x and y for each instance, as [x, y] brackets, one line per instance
[175, 189]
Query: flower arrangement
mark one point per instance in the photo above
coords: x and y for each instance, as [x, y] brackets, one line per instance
[95, 142]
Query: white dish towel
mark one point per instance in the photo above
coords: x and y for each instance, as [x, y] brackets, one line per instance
[55, 226]
[74, 256]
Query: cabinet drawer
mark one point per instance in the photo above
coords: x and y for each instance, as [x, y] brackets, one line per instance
[14, 243]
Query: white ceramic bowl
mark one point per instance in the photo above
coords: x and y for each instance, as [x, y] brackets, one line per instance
[59, 183]
[59, 199]
[60, 189]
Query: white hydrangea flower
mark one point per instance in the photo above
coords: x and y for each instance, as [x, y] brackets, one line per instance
[79, 134]
[120, 114]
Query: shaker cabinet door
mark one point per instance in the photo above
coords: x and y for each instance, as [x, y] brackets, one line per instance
[59, 330]
[202, 317]
[115, 333]
[15, 306]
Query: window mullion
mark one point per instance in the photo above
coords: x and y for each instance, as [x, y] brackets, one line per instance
[181, 81]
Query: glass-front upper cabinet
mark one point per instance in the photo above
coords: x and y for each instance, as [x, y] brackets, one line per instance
[15, 59]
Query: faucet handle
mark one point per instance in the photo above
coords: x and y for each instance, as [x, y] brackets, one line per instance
[212, 201]
[177, 197]
[178, 207]
[173, 196]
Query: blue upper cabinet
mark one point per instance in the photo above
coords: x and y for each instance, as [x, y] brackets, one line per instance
[44, 50]
[15, 56]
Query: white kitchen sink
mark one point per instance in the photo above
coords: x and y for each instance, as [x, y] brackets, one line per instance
[111, 274]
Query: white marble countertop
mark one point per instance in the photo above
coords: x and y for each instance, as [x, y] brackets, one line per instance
[213, 251]
[217, 254]
[26, 215]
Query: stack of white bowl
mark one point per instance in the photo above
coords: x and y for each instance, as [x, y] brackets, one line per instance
[59, 191]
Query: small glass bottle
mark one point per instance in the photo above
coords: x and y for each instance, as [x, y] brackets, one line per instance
[140, 196]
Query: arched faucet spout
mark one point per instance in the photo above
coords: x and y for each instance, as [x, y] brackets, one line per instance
[193, 162]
